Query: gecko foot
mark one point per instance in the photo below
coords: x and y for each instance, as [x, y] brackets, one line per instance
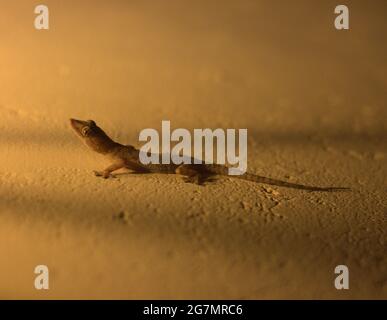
[191, 179]
[199, 180]
[103, 174]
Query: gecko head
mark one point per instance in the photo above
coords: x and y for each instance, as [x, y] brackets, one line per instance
[92, 135]
[84, 129]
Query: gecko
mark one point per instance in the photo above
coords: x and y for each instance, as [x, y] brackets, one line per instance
[127, 156]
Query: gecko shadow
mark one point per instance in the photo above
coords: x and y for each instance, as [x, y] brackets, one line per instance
[205, 178]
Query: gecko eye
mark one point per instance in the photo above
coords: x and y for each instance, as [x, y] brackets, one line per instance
[85, 131]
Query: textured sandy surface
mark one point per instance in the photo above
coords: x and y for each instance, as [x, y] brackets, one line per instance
[312, 98]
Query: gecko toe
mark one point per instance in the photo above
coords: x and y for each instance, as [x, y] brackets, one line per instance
[104, 175]
[98, 173]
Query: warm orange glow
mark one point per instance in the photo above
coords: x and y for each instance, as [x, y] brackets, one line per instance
[313, 99]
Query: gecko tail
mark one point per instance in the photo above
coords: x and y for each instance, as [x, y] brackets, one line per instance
[285, 184]
[224, 171]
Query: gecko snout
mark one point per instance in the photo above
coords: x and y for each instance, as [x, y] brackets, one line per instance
[77, 125]
[73, 121]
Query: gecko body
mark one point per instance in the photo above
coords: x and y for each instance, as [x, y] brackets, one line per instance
[127, 156]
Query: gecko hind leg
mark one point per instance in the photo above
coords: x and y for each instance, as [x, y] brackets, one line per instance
[194, 174]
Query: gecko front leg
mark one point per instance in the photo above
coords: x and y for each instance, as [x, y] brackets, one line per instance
[107, 172]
